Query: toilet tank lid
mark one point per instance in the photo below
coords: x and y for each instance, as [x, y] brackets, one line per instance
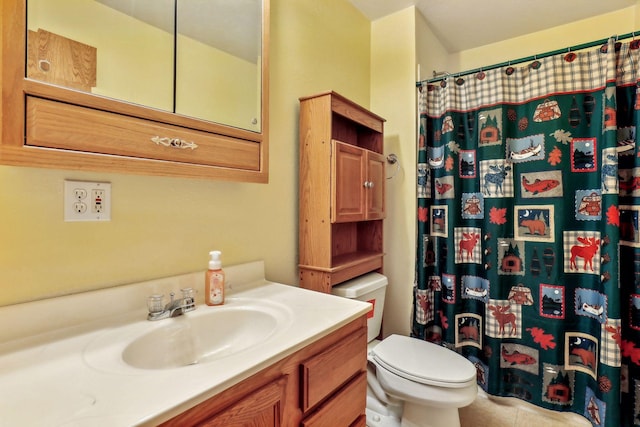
[361, 285]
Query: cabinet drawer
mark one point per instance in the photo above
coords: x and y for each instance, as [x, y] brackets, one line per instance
[346, 408]
[327, 371]
[53, 124]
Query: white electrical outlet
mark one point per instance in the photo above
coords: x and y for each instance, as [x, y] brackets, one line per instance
[97, 200]
[87, 201]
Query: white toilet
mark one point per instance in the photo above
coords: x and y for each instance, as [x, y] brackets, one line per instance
[411, 382]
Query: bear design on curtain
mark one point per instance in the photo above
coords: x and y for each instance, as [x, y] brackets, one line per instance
[528, 252]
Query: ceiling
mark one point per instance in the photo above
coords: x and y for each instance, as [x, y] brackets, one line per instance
[466, 24]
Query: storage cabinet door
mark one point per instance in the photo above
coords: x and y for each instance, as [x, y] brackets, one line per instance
[348, 179]
[375, 185]
[260, 409]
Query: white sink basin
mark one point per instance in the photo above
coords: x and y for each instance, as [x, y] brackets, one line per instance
[201, 336]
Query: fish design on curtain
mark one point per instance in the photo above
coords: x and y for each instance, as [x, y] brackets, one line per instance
[528, 253]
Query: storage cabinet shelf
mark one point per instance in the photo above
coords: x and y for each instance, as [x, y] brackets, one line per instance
[342, 191]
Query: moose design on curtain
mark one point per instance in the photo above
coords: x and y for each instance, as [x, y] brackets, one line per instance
[528, 254]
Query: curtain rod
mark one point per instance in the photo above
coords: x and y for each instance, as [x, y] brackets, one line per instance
[526, 59]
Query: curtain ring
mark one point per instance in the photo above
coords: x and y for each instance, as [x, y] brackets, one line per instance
[510, 70]
[535, 64]
[634, 44]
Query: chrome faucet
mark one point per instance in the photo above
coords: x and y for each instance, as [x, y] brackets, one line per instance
[175, 307]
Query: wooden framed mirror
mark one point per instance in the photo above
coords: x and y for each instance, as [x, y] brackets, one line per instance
[163, 93]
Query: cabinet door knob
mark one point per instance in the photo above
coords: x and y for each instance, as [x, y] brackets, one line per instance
[366, 184]
[370, 184]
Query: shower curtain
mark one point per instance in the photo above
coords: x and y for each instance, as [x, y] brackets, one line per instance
[528, 252]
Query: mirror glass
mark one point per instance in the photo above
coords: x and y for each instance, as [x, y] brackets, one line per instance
[219, 61]
[199, 58]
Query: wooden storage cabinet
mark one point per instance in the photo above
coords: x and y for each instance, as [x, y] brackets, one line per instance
[342, 191]
[323, 384]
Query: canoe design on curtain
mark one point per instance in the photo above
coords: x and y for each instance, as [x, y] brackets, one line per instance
[528, 255]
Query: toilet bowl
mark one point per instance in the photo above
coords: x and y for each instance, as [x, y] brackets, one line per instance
[432, 381]
[411, 382]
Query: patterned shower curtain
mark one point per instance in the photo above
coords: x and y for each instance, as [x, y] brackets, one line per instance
[528, 253]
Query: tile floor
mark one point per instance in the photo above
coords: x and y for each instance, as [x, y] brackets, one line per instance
[510, 412]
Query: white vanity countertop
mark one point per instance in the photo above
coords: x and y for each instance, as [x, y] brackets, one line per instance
[48, 351]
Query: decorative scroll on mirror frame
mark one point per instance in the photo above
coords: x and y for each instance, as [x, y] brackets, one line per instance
[79, 125]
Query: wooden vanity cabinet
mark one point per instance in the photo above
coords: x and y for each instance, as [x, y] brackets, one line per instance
[323, 384]
[43, 124]
[341, 193]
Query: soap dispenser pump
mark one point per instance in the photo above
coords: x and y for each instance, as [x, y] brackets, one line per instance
[214, 280]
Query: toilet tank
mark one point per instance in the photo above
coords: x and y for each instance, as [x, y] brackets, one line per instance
[370, 288]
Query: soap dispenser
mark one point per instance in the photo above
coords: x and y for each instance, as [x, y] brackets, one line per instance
[214, 280]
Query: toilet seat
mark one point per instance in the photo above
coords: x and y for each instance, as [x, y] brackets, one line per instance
[423, 362]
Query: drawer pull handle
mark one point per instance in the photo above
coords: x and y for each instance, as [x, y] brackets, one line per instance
[174, 142]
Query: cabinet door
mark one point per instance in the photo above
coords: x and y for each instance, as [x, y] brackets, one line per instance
[375, 185]
[260, 409]
[348, 180]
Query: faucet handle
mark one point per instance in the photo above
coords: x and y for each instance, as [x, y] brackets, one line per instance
[187, 293]
[155, 303]
[188, 299]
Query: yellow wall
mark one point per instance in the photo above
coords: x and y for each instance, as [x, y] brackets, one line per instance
[166, 226]
[431, 54]
[393, 73]
[575, 33]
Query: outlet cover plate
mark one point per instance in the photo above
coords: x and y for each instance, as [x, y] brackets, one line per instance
[81, 203]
